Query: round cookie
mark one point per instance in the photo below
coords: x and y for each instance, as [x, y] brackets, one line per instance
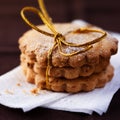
[83, 83]
[81, 72]
[70, 72]
[75, 85]
[36, 46]
[66, 72]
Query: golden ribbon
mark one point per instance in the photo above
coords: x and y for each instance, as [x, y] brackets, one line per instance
[59, 39]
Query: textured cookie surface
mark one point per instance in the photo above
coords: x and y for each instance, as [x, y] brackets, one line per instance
[36, 46]
[74, 85]
[82, 83]
[82, 72]
[66, 72]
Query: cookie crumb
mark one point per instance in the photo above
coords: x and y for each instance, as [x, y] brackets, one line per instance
[35, 91]
[24, 91]
[18, 84]
[9, 92]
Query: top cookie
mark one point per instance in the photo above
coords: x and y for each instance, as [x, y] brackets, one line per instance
[36, 45]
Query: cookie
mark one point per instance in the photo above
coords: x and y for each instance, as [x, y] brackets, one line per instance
[72, 73]
[36, 46]
[66, 72]
[96, 80]
[81, 72]
[82, 83]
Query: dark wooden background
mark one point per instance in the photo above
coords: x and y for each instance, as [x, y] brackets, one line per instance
[104, 13]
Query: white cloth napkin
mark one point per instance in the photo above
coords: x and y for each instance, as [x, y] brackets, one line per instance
[15, 92]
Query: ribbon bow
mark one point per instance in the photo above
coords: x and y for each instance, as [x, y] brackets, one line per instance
[59, 39]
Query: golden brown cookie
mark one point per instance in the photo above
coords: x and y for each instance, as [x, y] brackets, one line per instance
[36, 46]
[81, 72]
[66, 72]
[70, 72]
[74, 85]
[82, 83]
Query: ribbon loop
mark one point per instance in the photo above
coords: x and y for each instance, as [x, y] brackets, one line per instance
[36, 11]
[86, 30]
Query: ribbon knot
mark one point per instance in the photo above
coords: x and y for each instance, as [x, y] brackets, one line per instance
[59, 39]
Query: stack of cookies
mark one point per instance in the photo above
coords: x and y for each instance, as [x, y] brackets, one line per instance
[81, 72]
